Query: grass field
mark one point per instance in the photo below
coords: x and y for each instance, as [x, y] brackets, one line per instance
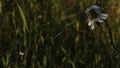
[55, 34]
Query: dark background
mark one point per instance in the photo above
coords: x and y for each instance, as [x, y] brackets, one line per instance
[55, 34]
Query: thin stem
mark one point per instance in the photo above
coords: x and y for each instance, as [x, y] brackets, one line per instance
[110, 32]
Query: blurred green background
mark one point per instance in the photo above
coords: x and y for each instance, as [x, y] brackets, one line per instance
[55, 34]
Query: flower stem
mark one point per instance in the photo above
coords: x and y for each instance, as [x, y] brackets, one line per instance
[110, 32]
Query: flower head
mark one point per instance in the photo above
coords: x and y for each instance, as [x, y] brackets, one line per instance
[21, 55]
[95, 16]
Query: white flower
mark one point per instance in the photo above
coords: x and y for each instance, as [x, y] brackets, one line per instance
[95, 16]
[21, 53]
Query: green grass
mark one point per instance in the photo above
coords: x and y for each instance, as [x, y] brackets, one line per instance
[55, 34]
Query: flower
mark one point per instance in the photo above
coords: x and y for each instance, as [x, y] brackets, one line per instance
[21, 55]
[95, 17]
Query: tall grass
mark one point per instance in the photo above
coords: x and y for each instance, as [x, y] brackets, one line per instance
[55, 34]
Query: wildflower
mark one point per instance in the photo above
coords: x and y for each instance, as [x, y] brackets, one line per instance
[21, 55]
[95, 17]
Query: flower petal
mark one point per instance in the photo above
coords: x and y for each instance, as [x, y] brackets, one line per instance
[103, 16]
[96, 8]
[91, 22]
[100, 20]
[92, 27]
